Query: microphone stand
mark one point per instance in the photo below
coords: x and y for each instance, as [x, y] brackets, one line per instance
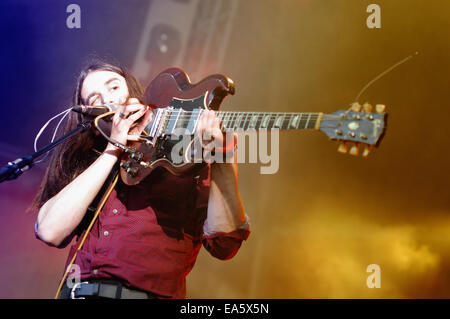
[15, 168]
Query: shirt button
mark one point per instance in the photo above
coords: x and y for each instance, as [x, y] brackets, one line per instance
[114, 211]
[106, 233]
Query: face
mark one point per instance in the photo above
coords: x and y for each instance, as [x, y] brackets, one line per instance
[104, 87]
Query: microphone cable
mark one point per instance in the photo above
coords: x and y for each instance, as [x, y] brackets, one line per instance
[110, 140]
[38, 135]
[64, 115]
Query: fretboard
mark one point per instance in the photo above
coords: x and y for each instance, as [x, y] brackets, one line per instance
[233, 121]
[167, 121]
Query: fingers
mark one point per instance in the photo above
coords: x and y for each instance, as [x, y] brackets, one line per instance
[138, 114]
[130, 112]
[208, 127]
[125, 120]
[133, 108]
[143, 123]
[136, 109]
[133, 100]
[209, 130]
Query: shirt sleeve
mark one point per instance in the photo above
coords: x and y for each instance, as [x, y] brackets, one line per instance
[225, 245]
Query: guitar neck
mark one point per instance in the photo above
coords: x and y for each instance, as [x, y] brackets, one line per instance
[167, 121]
[234, 121]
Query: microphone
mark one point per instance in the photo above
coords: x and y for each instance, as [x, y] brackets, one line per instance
[93, 110]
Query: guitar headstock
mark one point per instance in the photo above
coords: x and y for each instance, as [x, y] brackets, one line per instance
[355, 127]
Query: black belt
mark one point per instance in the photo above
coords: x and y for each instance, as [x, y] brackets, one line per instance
[114, 290]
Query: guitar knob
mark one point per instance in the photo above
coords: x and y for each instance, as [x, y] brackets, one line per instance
[132, 171]
[354, 150]
[343, 148]
[136, 156]
[367, 107]
[379, 108]
[366, 151]
[125, 164]
[356, 107]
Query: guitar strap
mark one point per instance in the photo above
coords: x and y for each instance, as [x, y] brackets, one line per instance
[93, 209]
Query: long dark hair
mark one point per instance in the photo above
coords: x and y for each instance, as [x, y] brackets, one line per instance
[75, 155]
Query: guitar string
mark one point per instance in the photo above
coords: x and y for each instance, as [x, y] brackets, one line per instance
[309, 122]
[259, 117]
[312, 117]
[304, 127]
[234, 115]
[188, 114]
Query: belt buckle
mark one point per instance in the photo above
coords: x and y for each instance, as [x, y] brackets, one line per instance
[75, 286]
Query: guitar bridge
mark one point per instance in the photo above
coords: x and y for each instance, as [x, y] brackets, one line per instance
[164, 120]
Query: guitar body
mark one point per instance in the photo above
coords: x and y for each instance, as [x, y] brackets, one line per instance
[172, 88]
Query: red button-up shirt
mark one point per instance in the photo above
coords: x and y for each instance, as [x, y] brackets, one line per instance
[149, 235]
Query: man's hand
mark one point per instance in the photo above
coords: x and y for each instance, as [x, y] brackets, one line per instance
[210, 133]
[125, 121]
[209, 130]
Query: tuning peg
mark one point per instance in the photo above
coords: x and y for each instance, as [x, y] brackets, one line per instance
[367, 107]
[366, 151]
[379, 108]
[354, 150]
[356, 107]
[343, 148]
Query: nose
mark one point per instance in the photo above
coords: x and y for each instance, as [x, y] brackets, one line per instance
[113, 99]
[108, 99]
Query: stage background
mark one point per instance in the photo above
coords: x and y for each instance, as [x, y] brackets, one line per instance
[323, 217]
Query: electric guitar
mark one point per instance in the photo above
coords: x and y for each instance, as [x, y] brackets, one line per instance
[178, 104]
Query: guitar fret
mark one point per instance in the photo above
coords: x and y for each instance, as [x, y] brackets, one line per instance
[259, 120]
[286, 119]
[238, 120]
[232, 121]
[265, 120]
[295, 121]
[226, 120]
[253, 120]
[278, 121]
[193, 120]
[302, 121]
[306, 125]
[244, 120]
[173, 119]
[313, 121]
[235, 116]
[247, 121]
